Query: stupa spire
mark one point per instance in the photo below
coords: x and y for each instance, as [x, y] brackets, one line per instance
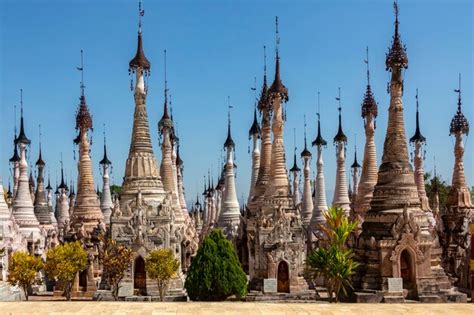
[229, 216]
[459, 197]
[86, 211]
[41, 202]
[355, 170]
[307, 201]
[278, 93]
[295, 170]
[368, 178]
[418, 140]
[341, 196]
[254, 135]
[23, 209]
[141, 168]
[106, 204]
[320, 203]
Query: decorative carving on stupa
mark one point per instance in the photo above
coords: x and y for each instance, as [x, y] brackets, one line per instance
[456, 235]
[86, 211]
[396, 239]
[341, 191]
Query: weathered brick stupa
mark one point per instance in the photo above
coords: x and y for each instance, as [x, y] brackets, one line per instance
[86, 211]
[459, 212]
[276, 238]
[396, 241]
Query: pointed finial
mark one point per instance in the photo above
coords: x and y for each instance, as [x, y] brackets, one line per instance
[265, 63]
[21, 136]
[367, 63]
[459, 123]
[141, 13]
[305, 153]
[166, 80]
[319, 141]
[417, 137]
[277, 37]
[40, 161]
[81, 69]
[356, 163]
[229, 142]
[340, 136]
[63, 184]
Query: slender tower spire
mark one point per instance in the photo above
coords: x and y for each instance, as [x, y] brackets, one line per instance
[355, 170]
[295, 171]
[418, 141]
[23, 209]
[265, 108]
[459, 198]
[106, 204]
[459, 207]
[341, 196]
[41, 203]
[229, 217]
[63, 216]
[320, 203]
[395, 183]
[307, 203]
[278, 93]
[141, 171]
[254, 135]
[166, 128]
[86, 211]
[368, 177]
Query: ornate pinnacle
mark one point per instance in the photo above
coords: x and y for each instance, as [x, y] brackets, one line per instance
[417, 137]
[340, 136]
[140, 61]
[397, 57]
[459, 123]
[278, 88]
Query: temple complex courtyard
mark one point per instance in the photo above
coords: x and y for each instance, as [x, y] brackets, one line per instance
[225, 308]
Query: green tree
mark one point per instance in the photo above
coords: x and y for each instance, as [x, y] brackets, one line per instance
[23, 271]
[115, 260]
[436, 183]
[161, 266]
[115, 189]
[333, 260]
[64, 262]
[215, 272]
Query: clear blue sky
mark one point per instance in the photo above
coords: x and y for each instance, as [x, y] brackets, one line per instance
[215, 50]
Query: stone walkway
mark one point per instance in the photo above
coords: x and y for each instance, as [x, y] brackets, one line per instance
[96, 308]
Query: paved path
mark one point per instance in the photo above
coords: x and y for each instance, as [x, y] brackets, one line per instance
[247, 308]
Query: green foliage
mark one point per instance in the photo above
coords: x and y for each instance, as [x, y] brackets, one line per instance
[333, 261]
[63, 262]
[161, 266]
[115, 189]
[23, 270]
[115, 260]
[433, 183]
[215, 272]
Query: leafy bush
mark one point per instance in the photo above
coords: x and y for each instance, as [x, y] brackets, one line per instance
[115, 260]
[161, 266]
[23, 271]
[215, 272]
[63, 262]
[333, 260]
